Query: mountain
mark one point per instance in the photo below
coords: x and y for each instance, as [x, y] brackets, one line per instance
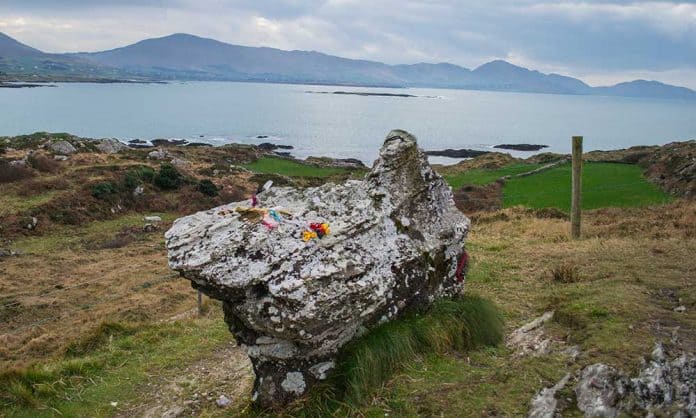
[12, 48]
[22, 62]
[183, 56]
[187, 57]
[644, 88]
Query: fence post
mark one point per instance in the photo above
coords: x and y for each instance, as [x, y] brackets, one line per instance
[576, 200]
[200, 303]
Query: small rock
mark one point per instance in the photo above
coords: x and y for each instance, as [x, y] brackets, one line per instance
[114, 404]
[18, 163]
[680, 309]
[152, 219]
[60, 157]
[158, 155]
[178, 162]
[150, 228]
[138, 191]
[174, 412]
[223, 401]
[544, 403]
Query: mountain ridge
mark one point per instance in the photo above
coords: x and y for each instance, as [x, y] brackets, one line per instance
[182, 56]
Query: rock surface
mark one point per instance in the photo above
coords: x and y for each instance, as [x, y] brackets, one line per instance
[110, 145]
[395, 241]
[457, 153]
[662, 387]
[62, 148]
[545, 402]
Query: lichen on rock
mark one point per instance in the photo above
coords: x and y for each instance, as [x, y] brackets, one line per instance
[395, 242]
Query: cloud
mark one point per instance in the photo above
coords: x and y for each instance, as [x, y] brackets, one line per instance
[678, 19]
[569, 37]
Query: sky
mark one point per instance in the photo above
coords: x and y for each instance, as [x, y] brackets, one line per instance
[601, 42]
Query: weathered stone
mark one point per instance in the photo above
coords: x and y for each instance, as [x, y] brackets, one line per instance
[395, 241]
[664, 384]
[158, 154]
[545, 403]
[62, 148]
[600, 391]
[110, 145]
[530, 338]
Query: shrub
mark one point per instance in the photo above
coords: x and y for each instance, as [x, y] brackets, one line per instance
[208, 188]
[565, 273]
[103, 190]
[10, 173]
[43, 164]
[168, 178]
[136, 176]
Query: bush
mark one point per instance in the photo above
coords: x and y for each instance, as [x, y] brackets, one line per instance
[168, 178]
[136, 176]
[103, 190]
[208, 188]
[565, 273]
[43, 164]
[10, 173]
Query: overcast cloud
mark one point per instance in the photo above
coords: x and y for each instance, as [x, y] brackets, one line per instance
[599, 41]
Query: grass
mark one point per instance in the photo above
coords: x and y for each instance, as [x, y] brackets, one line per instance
[483, 176]
[11, 203]
[364, 365]
[283, 167]
[113, 363]
[71, 236]
[603, 185]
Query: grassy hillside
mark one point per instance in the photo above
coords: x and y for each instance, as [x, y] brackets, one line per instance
[603, 185]
[93, 322]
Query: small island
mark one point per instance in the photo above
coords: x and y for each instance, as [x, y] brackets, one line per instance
[521, 147]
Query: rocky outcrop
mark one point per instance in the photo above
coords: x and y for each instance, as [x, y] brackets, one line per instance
[351, 163]
[62, 148]
[394, 244]
[457, 153]
[521, 147]
[110, 145]
[673, 168]
[663, 387]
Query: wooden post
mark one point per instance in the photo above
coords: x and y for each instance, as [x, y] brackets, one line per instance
[200, 303]
[576, 200]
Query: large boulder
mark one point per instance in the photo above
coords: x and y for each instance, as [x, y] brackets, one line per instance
[394, 245]
[62, 147]
[110, 145]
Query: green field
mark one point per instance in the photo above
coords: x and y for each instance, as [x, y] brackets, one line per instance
[483, 176]
[283, 167]
[603, 185]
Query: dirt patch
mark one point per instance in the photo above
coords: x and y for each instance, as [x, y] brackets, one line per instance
[198, 387]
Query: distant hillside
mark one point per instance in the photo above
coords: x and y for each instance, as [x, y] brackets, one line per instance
[643, 88]
[188, 57]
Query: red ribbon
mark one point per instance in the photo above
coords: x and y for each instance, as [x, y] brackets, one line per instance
[461, 266]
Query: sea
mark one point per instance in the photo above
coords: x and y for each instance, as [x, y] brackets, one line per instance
[342, 126]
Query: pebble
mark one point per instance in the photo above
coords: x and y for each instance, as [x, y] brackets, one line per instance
[223, 401]
[680, 309]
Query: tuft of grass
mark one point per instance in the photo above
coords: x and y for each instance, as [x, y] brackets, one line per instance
[284, 167]
[603, 185]
[565, 273]
[98, 338]
[465, 323]
[482, 176]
